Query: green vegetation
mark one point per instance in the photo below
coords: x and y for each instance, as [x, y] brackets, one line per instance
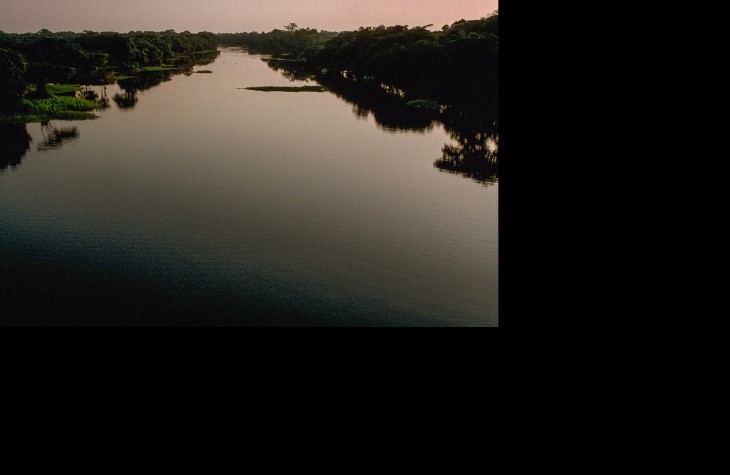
[204, 71]
[423, 103]
[44, 65]
[58, 104]
[288, 89]
[57, 107]
[291, 42]
[155, 69]
[59, 89]
[456, 64]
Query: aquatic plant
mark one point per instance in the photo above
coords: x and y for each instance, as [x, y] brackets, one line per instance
[287, 88]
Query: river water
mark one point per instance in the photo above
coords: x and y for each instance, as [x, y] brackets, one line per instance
[197, 202]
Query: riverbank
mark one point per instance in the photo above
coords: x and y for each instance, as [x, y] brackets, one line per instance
[59, 106]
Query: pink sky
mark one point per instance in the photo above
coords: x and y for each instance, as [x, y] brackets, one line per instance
[231, 15]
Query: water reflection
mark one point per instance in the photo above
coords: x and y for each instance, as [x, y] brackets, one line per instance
[102, 100]
[53, 137]
[476, 154]
[473, 127]
[126, 100]
[15, 141]
[131, 86]
[204, 59]
[143, 81]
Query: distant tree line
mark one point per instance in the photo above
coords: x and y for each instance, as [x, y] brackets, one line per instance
[459, 63]
[86, 58]
[291, 41]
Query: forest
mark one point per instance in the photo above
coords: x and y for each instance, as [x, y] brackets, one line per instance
[457, 64]
[30, 62]
[291, 41]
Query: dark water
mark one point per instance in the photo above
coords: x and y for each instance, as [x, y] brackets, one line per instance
[194, 202]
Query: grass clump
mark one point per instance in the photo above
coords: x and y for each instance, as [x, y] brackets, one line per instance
[58, 104]
[287, 89]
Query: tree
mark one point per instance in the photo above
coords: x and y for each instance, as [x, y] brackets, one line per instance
[12, 83]
[291, 27]
[53, 60]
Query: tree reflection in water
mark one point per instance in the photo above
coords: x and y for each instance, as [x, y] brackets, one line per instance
[102, 100]
[474, 127]
[131, 86]
[143, 81]
[15, 142]
[126, 100]
[477, 151]
[53, 137]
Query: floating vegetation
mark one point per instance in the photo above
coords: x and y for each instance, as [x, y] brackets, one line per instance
[286, 88]
[204, 71]
[423, 104]
[154, 69]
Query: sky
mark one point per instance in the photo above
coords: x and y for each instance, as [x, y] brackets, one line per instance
[230, 16]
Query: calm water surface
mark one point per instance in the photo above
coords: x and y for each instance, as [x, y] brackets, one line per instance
[199, 203]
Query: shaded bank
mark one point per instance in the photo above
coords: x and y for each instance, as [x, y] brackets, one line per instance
[32, 63]
[76, 102]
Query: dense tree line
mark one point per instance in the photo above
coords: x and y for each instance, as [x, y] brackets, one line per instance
[88, 57]
[292, 41]
[459, 63]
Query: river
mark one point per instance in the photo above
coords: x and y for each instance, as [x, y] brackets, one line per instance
[197, 202]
